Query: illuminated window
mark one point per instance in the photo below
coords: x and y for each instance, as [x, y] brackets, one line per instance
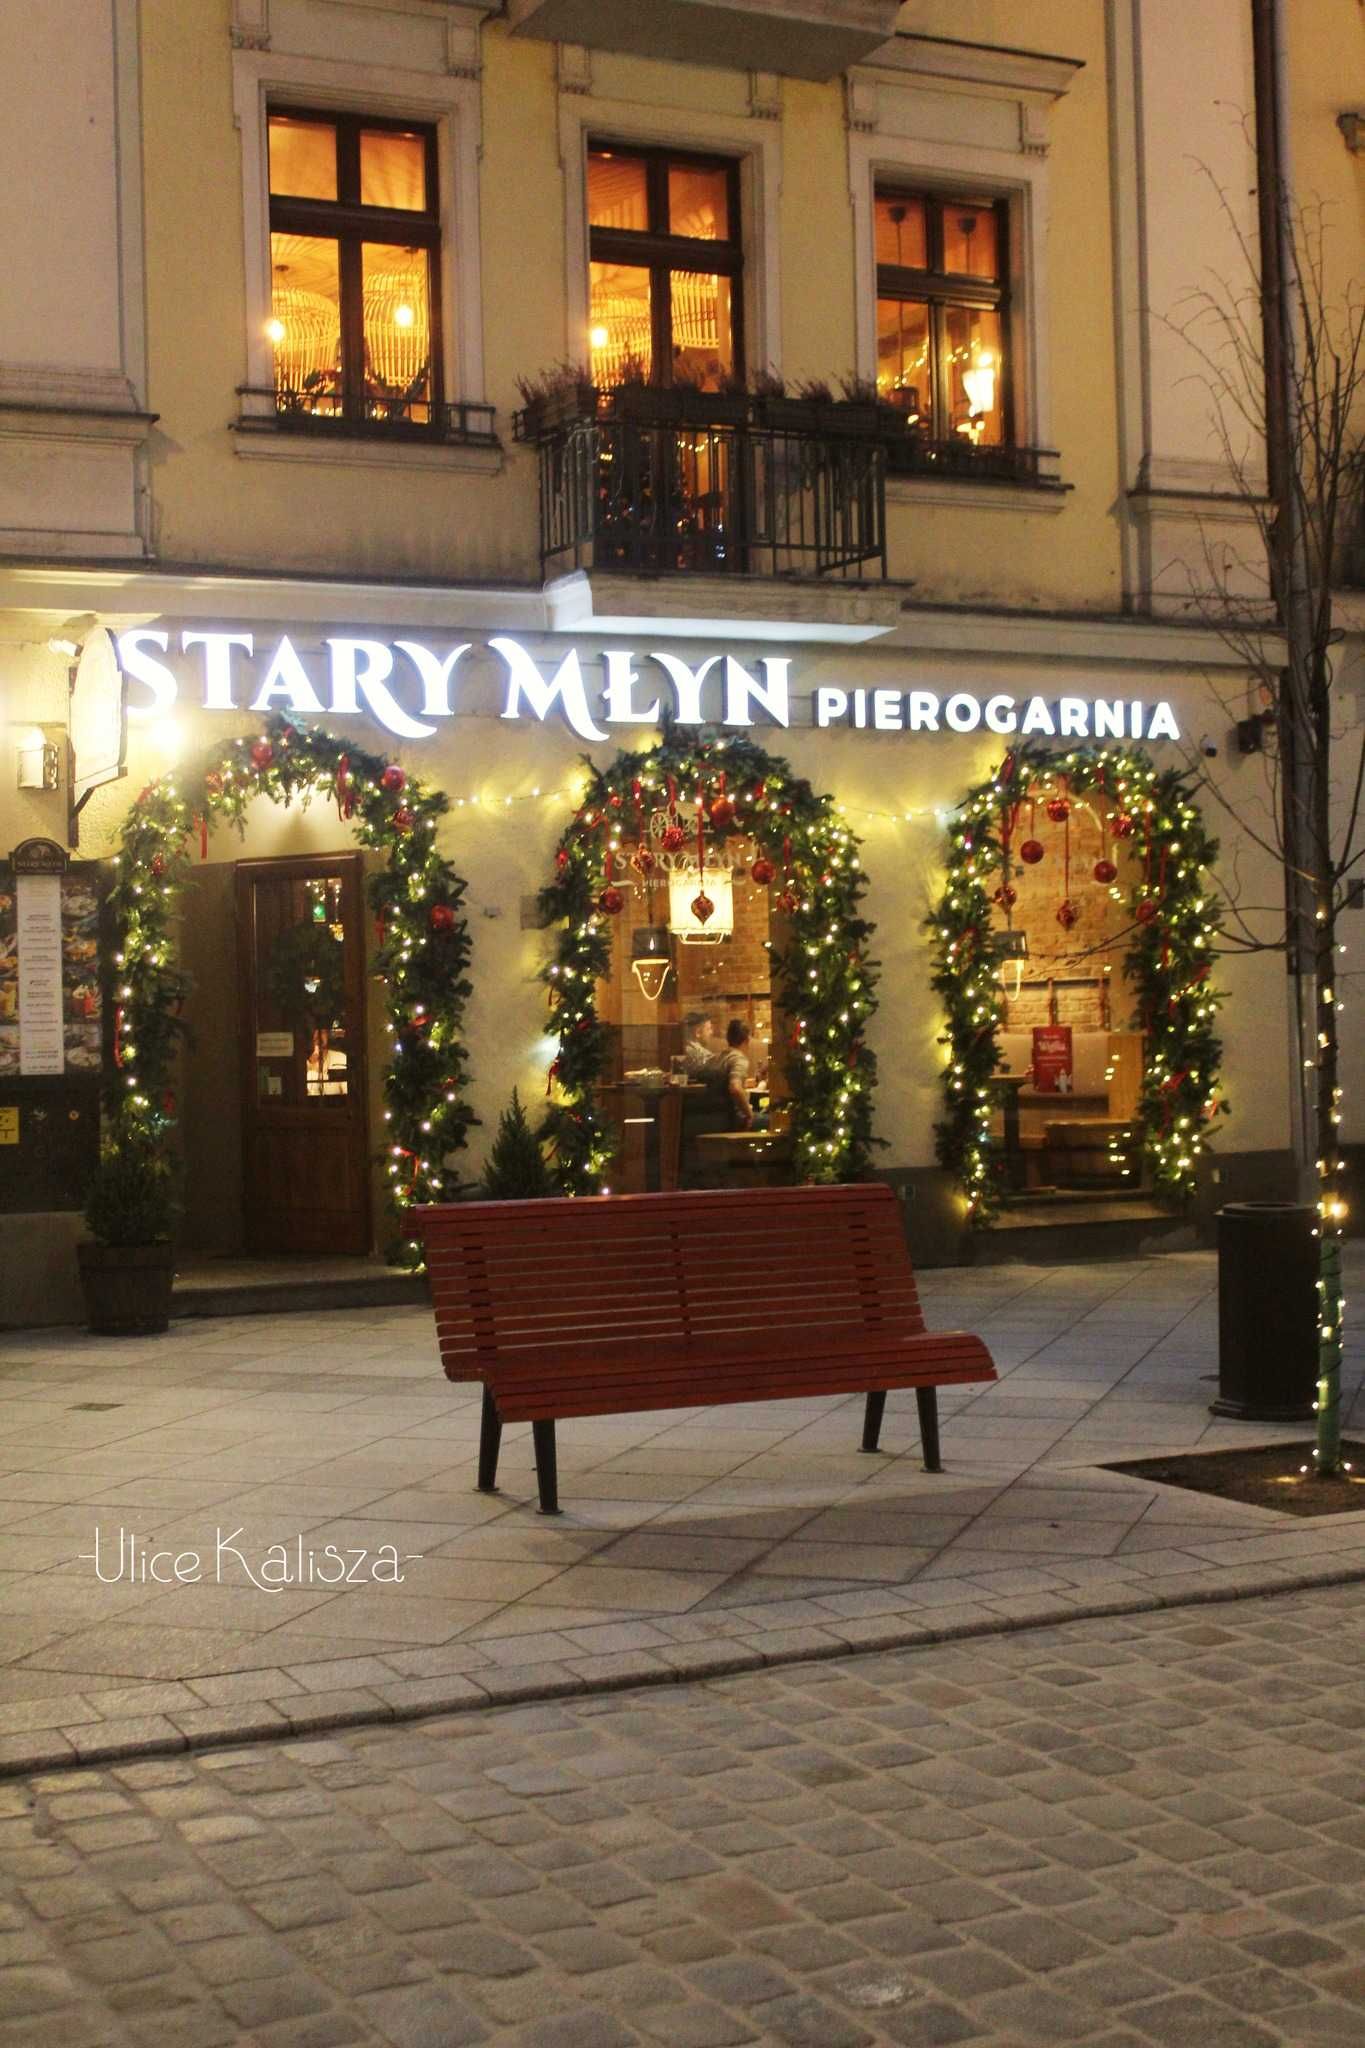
[943, 315]
[664, 301]
[354, 258]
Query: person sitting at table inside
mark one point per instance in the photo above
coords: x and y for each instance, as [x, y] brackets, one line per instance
[735, 1066]
[702, 1054]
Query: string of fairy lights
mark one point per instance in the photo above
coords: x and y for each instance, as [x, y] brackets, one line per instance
[422, 954]
[1176, 919]
[823, 980]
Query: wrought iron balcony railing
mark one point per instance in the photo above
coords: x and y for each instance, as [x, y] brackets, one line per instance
[910, 454]
[717, 490]
[321, 410]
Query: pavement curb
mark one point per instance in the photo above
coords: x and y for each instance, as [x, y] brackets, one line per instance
[24, 1753]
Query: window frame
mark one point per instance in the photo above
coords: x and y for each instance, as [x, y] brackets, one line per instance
[426, 92]
[663, 253]
[943, 289]
[350, 224]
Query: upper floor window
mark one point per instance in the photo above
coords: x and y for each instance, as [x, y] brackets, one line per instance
[354, 258]
[943, 314]
[666, 266]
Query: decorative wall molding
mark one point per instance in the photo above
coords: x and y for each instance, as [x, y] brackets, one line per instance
[1033, 128]
[861, 103]
[942, 57]
[573, 67]
[758, 146]
[250, 25]
[1008, 173]
[765, 95]
[451, 101]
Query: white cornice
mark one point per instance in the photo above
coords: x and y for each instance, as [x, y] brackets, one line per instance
[940, 57]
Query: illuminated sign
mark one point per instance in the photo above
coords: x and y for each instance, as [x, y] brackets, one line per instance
[408, 688]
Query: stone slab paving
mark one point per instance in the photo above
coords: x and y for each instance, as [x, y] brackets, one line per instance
[1118, 1833]
[694, 1541]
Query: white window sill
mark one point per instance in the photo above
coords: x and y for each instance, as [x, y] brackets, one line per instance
[346, 451]
[972, 496]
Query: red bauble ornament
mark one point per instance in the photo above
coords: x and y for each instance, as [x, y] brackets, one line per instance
[442, 918]
[1058, 809]
[262, 754]
[1124, 826]
[612, 902]
[643, 861]
[614, 800]
[1067, 915]
[1147, 912]
[722, 813]
[1006, 896]
[675, 839]
[763, 871]
[404, 819]
[702, 908]
[1031, 852]
[561, 860]
[789, 902]
[393, 779]
[1105, 872]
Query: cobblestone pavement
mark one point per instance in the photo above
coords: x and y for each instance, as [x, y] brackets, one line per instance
[695, 1540]
[1114, 1833]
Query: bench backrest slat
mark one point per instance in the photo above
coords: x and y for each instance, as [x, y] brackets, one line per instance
[545, 1280]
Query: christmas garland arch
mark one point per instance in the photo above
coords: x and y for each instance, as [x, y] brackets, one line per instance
[1169, 961]
[422, 956]
[823, 981]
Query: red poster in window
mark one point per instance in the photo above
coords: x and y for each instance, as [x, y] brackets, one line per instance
[1052, 1068]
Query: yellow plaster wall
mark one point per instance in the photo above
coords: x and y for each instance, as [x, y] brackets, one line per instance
[351, 519]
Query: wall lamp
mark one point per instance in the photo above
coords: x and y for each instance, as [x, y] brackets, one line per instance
[38, 760]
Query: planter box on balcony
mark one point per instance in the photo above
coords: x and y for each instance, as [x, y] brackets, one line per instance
[814, 39]
[542, 416]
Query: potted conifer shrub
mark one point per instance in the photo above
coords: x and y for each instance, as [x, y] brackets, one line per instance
[126, 1264]
[516, 1169]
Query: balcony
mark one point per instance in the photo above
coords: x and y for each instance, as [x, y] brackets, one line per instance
[659, 482]
[814, 39]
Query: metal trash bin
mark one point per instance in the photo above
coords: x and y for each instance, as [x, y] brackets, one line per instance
[1267, 1312]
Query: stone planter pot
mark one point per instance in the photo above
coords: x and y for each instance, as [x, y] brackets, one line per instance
[127, 1287]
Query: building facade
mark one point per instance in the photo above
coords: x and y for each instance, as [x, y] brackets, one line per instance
[481, 388]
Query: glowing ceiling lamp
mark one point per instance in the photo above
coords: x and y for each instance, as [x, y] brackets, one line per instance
[701, 905]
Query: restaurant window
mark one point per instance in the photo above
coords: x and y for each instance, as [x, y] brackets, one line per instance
[355, 272]
[943, 348]
[666, 267]
[680, 997]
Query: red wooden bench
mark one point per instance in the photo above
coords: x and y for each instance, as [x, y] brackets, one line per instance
[607, 1305]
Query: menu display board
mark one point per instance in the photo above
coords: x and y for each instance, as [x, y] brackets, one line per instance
[50, 1006]
[1052, 1063]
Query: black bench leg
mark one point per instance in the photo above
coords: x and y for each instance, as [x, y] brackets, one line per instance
[926, 1400]
[872, 1420]
[547, 1475]
[490, 1438]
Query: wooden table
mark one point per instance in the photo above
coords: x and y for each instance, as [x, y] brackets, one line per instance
[1010, 1087]
[660, 1112]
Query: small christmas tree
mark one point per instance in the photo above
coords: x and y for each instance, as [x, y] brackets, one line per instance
[516, 1169]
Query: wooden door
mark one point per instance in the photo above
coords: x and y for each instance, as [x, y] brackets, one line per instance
[302, 995]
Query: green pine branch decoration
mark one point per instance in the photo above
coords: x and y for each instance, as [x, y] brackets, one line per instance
[423, 955]
[1176, 919]
[823, 982]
